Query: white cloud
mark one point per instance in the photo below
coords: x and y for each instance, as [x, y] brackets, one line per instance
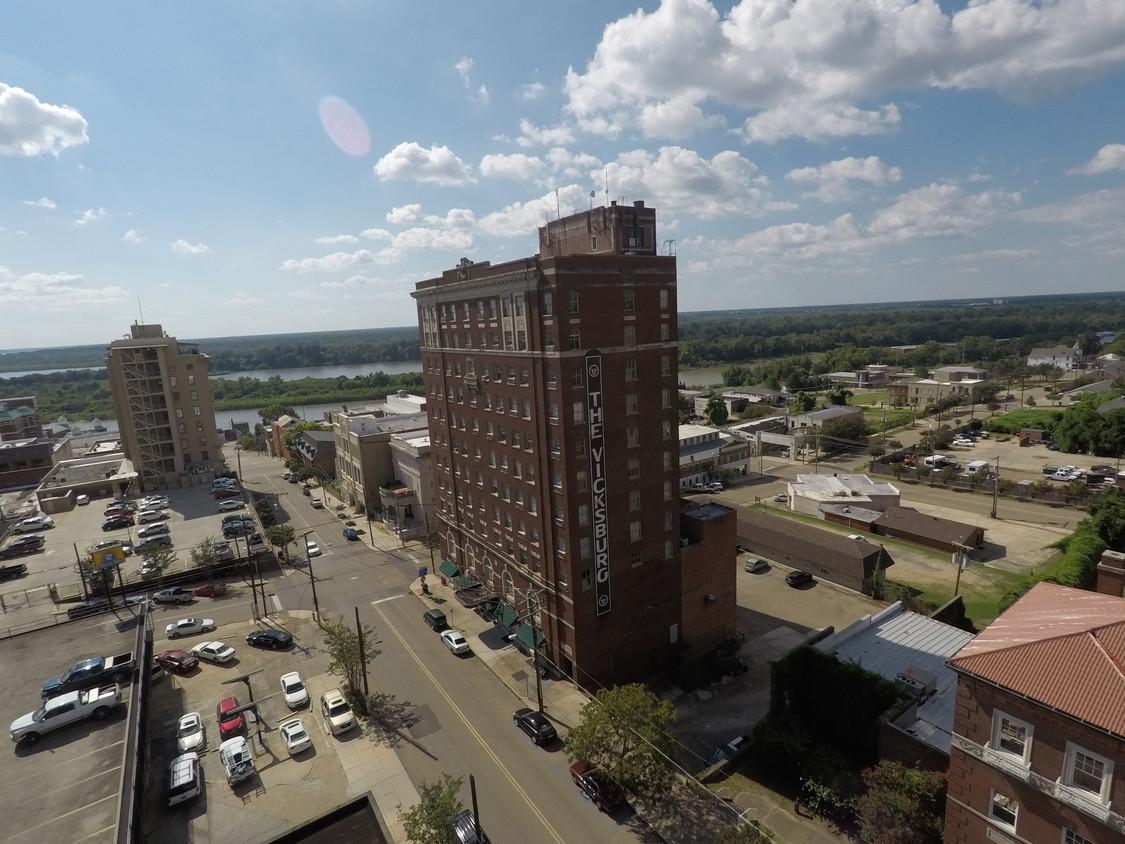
[338, 238]
[435, 240]
[455, 218]
[29, 127]
[532, 91]
[832, 182]
[463, 67]
[518, 167]
[678, 180]
[132, 236]
[521, 219]
[825, 68]
[572, 165]
[1109, 157]
[351, 281]
[335, 261]
[1104, 209]
[182, 247]
[65, 290]
[239, 300]
[676, 118]
[437, 165]
[532, 135]
[376, 234]
[42, 202]
[91, 215]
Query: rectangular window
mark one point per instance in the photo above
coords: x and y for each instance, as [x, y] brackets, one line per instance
[579, 410]
[630, 335]
[631, 369]
[669, 549]
[634, 500]
[580, 446]
[585, 551]
[572, 301]
[577, 377]
[631, 406]
[552, 379]
[633, 436]
[511, 375]
[526, 409]
[635, 559]
[665, 365]
[575, 338]
[583, 481]
[634, 468]
[665, 398]
[1003, 809]
[1087, 771]
[635, 531]
[587, 581]
[553, 414]
[1011, 735]
[664, 332]
[630, 301]
[666, 427]
[663, 300]
[196, 410]
[1071, 837]
[563, 582]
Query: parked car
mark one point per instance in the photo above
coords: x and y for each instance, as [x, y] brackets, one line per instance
[538, 728]
[126, 547]
[455, 640]
[754, 565]
[149, 568]
[190, 733]
[233, 529]
[27, 543]
[715, 486]
[237, 760]
[295, 736]
[230, 723]
[180, 662]
[223, 551]
[85, 608]
[728, 750]
[602, 791]
[16, 570]
[154, 541]
[313, 550]
[189, 627]
[226, 492]
[317, 504]
[270, 638]
[158, 529]
[185, 779]
[82, 499]
[231, 504]
[211, 590]
[798, 578]
[293, 690]
[155, 502]
[466, 830]
[32, 524]
[435, 620]
[117, 522]
[174, 595]
[115, 507]
[214, 652]
[351, 535]
[780, 497]
[337, 714]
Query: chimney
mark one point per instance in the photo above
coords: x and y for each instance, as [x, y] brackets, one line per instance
[1111, 574]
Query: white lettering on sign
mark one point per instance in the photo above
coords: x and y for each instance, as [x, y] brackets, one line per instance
[598, 501]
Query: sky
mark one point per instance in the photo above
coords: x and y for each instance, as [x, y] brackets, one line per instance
[268, 166]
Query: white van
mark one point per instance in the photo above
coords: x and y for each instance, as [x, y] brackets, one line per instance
[976, 466]
[937, 461]
[184, 779]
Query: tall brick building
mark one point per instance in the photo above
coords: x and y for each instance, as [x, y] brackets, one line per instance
[1039, 725]
[552, 390]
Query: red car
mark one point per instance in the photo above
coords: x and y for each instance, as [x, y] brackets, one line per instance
[227, 493]
[229, 724]
[211, 590]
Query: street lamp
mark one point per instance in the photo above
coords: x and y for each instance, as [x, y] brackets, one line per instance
[238, 456]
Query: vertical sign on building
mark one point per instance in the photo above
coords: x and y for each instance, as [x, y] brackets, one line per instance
[595, 419]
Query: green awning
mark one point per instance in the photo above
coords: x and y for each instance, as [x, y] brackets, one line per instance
[506, 615]
[465, 581]
[449, 568]
[524, 635]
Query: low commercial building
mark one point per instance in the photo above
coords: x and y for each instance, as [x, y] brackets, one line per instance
[810, 493]
[705, 450]
[317, 450]
[24, 463]
[375, 474]
[97, 477]
[860, 566]
[911, 650]
[908, 524]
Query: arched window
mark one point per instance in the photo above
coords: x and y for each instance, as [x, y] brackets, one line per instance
[451, 547]
[508, 587]
[487, 576]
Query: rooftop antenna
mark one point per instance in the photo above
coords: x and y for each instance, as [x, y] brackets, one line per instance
[592, 195]
[607, 186]
[558, 207]
[140, 310]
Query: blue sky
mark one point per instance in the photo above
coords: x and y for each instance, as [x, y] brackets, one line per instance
[272, 166]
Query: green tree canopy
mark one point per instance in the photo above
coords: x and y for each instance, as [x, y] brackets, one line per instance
[901, 805]
[430, 820]
[716, 412]
[627, 732]
[273, 412]
[342, 645]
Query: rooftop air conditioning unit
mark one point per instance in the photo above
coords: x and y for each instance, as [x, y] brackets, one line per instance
[918, 681]
[684, 542]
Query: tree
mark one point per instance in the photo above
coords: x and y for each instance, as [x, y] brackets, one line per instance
[205, 554]
[839, 394]
[265, 512]
[273, 412]
[716, 412]
[742, 833]
[342, 645]
[901, 805]
[685, 407]
[160, 558]
[430, 820]
[280, 536]
[802, 403]
[851, 428]
[627, 732]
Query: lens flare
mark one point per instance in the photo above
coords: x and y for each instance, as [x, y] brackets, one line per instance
[344, 126]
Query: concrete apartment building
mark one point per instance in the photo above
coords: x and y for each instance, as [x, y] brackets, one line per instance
[162, 400]
[552, 383]
[1039, 726]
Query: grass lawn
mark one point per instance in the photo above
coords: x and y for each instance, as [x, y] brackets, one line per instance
[1017, 419]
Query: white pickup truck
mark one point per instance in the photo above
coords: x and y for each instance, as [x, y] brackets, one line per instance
[65, 709]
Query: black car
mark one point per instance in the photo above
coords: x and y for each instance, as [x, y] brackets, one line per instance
[798, 578]
[86, 608]
[117, 522]
[270, 638]
[7, 572]
[26, 544]
[153, 541]
[237, 529]
[535, 724]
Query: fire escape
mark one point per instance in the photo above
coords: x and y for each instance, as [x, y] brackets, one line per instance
[148, 407]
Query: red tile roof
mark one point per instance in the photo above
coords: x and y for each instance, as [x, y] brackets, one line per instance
[1062, 647]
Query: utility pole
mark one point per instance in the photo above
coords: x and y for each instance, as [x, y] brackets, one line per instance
[312, 578]
[362, 659]
[532, 612]
[995, 488]
[250, 572]
[961, 558]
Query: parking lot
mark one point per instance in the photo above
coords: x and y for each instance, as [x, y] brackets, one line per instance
[284, 791]
[193, 515]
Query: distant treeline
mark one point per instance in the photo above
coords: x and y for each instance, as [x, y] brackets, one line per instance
[715, 338]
